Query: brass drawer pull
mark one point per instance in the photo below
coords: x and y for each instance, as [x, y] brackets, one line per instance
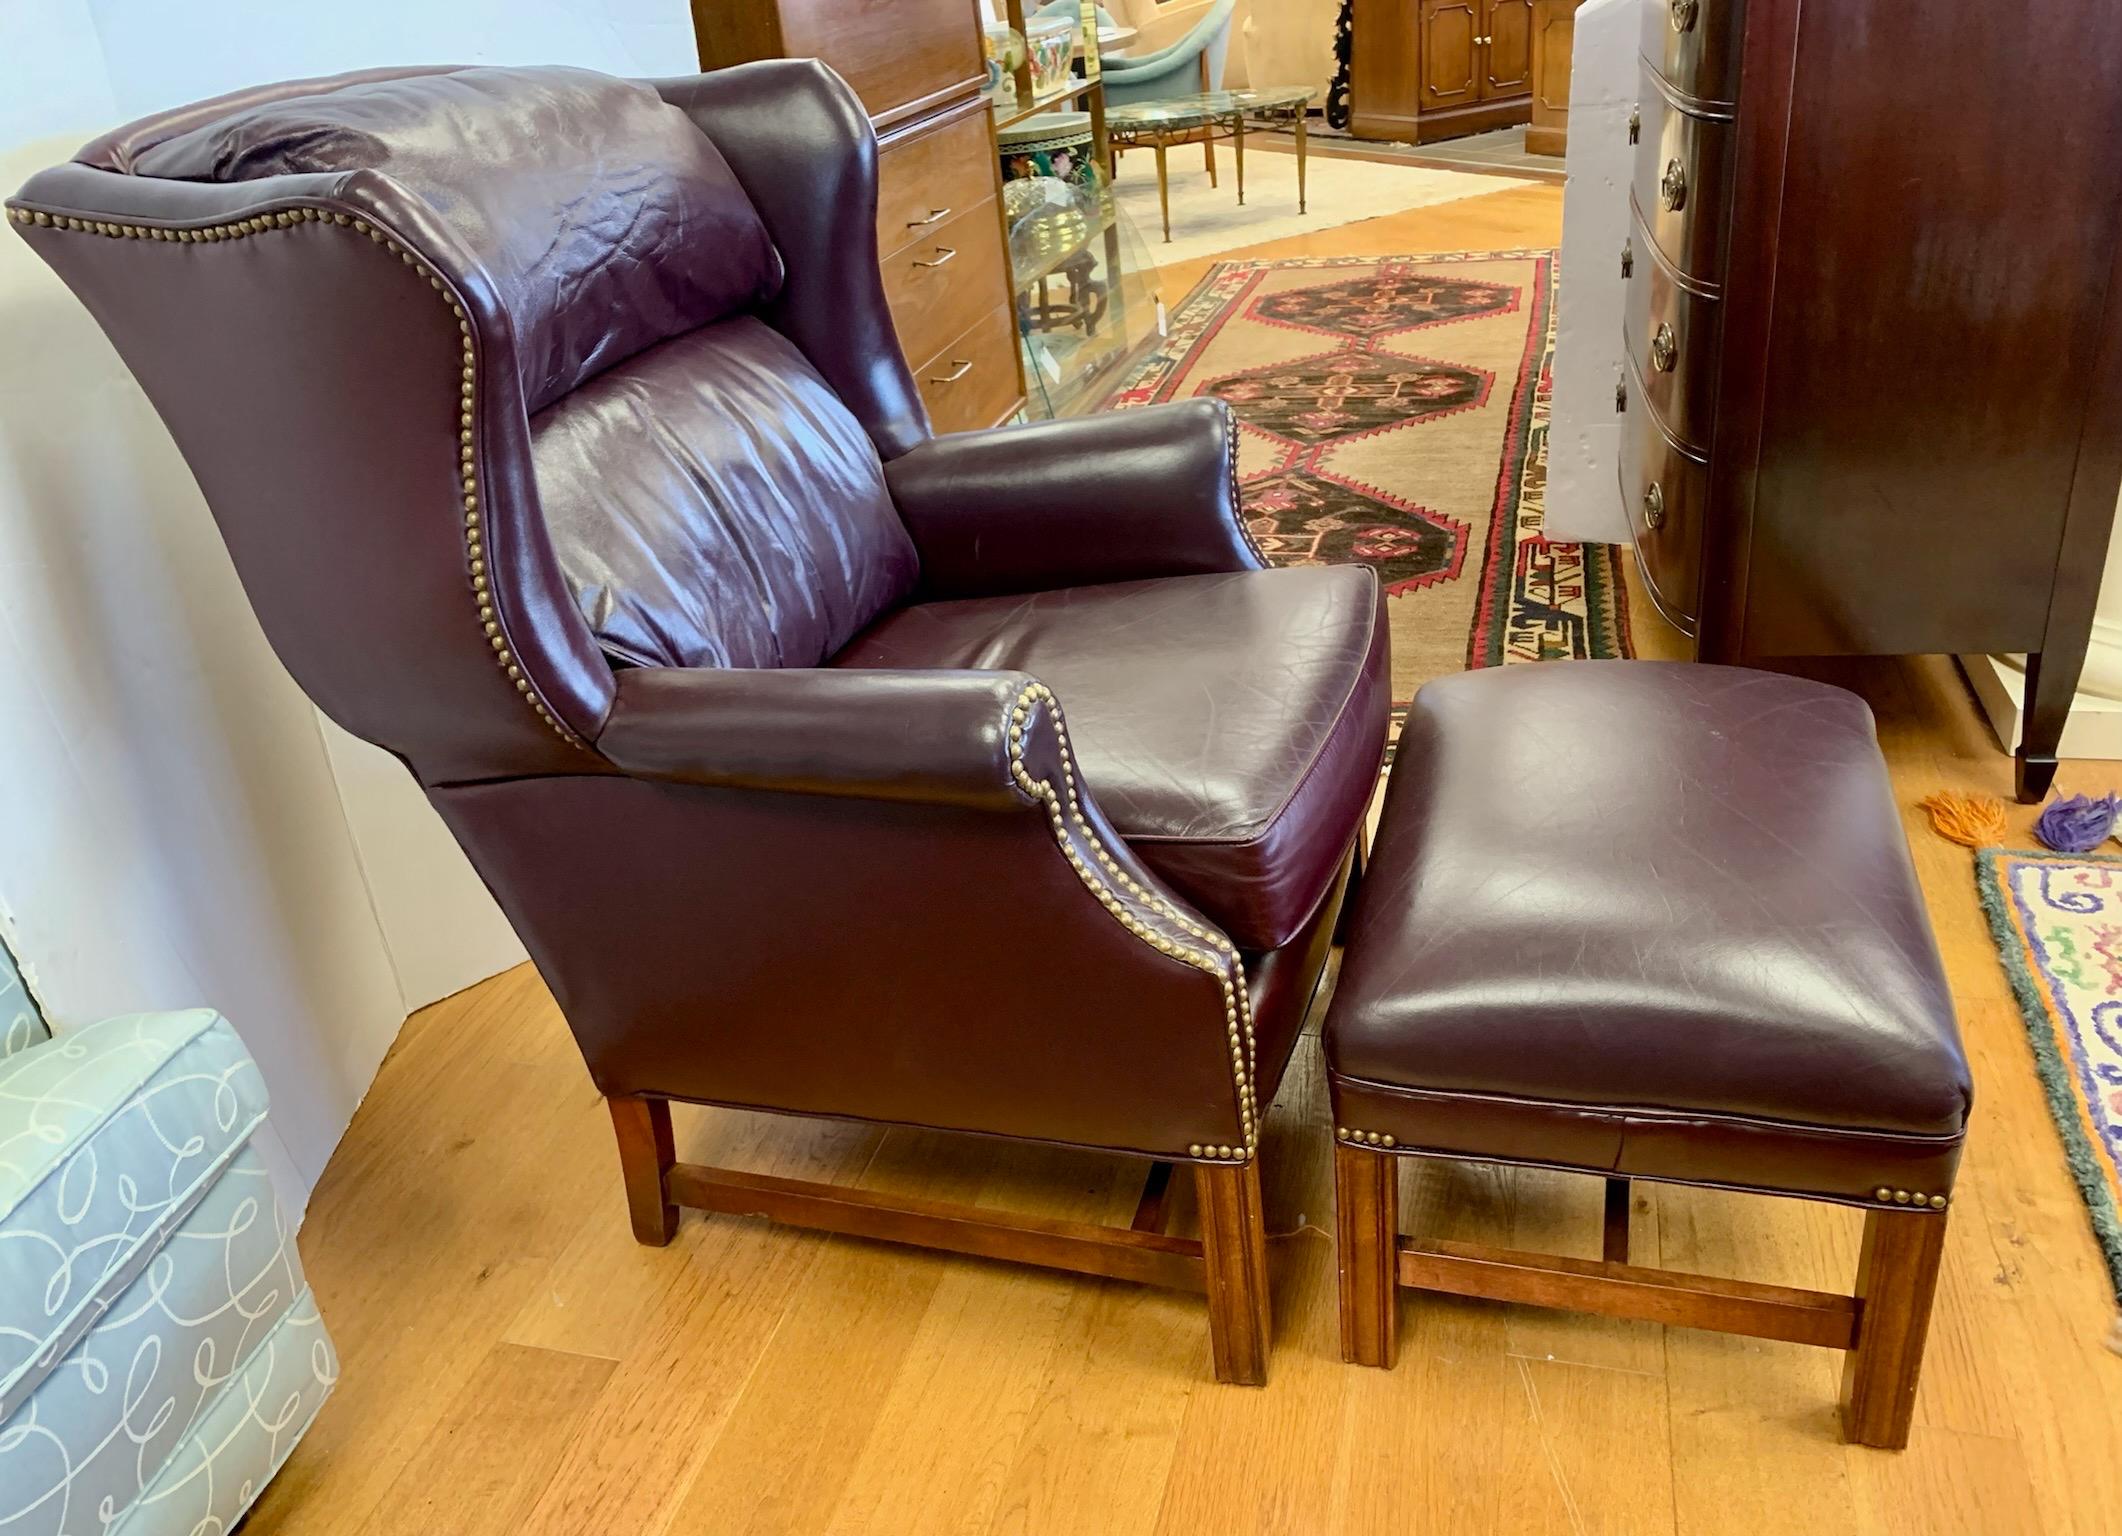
[1628, 258]
[964, 367]
[1672, 187]
[935, 216]
[1684, 13]
[1635, 124]
[946, 253]
[1654, 507]
[1664, 351]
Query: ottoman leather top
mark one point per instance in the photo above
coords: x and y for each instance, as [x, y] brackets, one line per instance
[1654, 918]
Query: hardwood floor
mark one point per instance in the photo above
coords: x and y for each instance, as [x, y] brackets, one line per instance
[515, 1363]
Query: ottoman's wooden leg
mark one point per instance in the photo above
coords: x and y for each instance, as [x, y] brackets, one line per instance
[1896, 1280]
[1367, 1243]
[1614, 1248]
[646, 1153]
[1234, 1247]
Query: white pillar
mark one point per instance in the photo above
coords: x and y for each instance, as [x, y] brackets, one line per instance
[1584, 435]
[2095, 725]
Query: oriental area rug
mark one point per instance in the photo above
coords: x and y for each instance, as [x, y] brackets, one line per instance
[2057, 919]
[1393, 410]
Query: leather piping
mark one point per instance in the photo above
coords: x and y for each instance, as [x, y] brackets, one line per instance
[475, 533]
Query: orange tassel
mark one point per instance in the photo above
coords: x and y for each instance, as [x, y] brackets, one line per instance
[1973, 821]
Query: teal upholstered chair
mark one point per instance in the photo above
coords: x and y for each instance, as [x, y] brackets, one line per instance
[1193, 63]
[1071, 10]
[160, 1353]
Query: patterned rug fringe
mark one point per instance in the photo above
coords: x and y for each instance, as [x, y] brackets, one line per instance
[1992, 877]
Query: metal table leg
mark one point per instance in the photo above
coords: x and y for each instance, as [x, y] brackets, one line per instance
[1238, 150]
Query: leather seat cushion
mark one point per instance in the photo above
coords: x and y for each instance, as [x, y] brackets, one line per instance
[1650, 918]
[619, 224]
[713, 504]
[1229, 726]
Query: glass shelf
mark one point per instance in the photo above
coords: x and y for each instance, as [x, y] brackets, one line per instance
[1086, 293]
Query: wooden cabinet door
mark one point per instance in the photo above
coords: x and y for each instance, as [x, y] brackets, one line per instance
[1507, 62]
[1451, 52]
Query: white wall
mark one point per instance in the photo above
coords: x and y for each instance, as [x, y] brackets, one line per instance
[1584, 437]
[177, 825]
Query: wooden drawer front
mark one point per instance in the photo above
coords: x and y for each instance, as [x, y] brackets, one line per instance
[1672, 339]
[973, 381]
[925, 180]
[1694, 44]
[899, 55]
[1665, 490]
[1682, 185]
[943, 282]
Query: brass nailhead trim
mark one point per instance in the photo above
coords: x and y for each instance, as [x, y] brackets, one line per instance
[1889, 1196]
[1357, 1138]
[474, 530]
[1201, 947]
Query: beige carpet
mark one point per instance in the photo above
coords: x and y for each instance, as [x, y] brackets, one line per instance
[1208, 219]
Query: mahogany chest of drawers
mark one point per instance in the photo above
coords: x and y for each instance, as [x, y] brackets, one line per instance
[918, 67]
[1873, 385]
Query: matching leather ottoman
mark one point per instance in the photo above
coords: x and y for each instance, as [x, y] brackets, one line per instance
[1650, 921]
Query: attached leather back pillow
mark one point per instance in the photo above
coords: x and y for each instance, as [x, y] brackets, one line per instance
[607, 220]
[714, 504]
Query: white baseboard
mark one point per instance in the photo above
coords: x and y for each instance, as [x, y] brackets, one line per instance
[2094, 729]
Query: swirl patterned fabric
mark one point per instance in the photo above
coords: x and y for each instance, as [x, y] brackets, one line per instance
[160, 1353]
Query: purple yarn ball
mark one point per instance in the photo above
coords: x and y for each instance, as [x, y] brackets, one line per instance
[2077, 823]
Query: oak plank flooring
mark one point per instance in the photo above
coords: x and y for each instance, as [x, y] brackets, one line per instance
[752, 1379]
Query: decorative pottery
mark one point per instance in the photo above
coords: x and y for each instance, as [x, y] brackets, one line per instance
[1052, 44]
[1004, 50]
[1056, 144]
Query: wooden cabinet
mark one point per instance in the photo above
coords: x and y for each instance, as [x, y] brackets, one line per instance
[1873, 383]
[1507, 50]
[1554, 24]
[1435, 69]
[918, 67]
[1449, 53]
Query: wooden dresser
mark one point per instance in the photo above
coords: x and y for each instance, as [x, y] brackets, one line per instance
[918, 67]
[1874, 378]
[1435, 69]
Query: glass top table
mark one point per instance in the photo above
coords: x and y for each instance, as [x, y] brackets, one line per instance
[1202, 118]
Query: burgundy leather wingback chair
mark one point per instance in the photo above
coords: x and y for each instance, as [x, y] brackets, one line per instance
[559, 433]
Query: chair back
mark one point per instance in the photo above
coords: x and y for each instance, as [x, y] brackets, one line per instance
[497, 378]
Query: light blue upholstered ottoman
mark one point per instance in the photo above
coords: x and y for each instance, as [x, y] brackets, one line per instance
[160, 1353]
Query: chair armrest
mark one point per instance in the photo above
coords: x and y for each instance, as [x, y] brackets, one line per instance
[892, 902]
[939, 738]
[1122, 496]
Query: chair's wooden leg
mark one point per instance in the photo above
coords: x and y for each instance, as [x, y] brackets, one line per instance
[1615, 1248]
[1366, 1244]
[646, 1153]
[1897, 1277]
[1234, 1246]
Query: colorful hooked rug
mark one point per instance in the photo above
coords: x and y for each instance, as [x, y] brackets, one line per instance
[2057, 918]
[1393, 410]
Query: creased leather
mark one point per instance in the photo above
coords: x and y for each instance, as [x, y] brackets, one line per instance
[1232, 724]
[817, 890]
[1122, 496]
[714, 505]
[801, 145]
[1650, 918]
[617, 225]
